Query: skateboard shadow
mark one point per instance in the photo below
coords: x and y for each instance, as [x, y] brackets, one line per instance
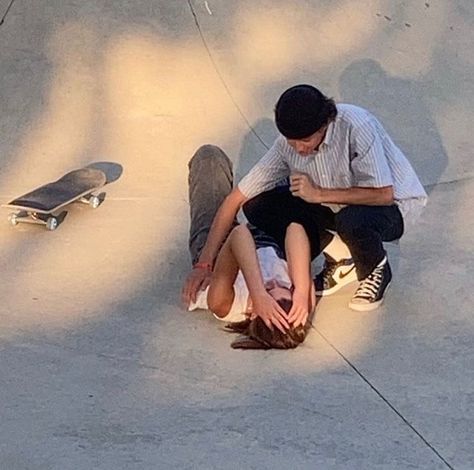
[113, 171]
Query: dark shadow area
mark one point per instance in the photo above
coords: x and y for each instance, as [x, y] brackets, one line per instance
[451, 86]
[400, 105]
[252, 150]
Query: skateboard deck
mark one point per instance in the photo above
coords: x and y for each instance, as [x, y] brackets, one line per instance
[41, 205]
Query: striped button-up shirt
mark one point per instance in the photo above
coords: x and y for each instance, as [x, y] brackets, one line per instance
[356, 152]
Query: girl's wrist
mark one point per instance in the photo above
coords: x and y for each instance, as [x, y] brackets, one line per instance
[206, 266]
[300, 292]
[257, 292]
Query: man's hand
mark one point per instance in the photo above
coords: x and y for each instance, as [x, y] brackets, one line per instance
[267, 308]
[301, 186]
[299, 310]
[198, 279]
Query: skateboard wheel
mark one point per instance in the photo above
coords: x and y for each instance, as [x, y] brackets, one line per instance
[94, 201]
[51, 223]
[13, 219]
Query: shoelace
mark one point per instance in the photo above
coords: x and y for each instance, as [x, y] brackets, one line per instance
[369, 286]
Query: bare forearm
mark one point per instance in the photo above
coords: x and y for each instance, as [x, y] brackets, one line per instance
[301, 186]
[298, 254]
[363, 196]
[263, 304]
[243, 249]
[221, 226]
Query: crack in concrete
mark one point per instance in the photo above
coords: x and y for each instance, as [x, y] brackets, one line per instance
[6, 12]
[221, 78]
[343, 357]
[144, 365]
[384, 399]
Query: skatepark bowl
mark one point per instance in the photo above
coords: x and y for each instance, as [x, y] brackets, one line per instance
[103, 366]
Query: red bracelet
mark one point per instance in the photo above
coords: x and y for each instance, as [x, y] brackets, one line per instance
[207, 266]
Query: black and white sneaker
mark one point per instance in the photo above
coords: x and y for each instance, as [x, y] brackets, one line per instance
[335, 275]
[370, 293]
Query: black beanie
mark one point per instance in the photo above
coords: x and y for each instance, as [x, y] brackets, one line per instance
[298, 112]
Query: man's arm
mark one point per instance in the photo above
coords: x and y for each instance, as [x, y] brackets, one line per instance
[362, 196]
[301, 186]
[200, 275]
[221, 225]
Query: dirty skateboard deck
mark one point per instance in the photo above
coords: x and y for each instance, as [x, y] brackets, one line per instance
[43, 204]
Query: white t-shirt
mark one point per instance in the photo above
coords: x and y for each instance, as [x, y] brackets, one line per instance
[273, 269]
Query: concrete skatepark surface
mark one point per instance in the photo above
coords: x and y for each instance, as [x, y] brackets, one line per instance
[101, 367]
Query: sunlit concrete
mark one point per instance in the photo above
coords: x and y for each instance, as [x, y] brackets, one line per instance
[101, 366]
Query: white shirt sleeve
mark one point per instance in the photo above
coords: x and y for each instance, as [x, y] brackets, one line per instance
[265, 175]
[369, 164]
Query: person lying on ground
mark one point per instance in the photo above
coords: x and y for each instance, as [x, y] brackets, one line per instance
[250, 285]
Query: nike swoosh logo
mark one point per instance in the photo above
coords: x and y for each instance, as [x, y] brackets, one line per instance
[343, 275]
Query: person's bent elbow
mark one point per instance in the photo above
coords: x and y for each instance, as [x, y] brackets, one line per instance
[235, 199]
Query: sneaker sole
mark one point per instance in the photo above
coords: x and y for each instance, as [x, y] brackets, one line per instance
[342, 282]
[368, 307]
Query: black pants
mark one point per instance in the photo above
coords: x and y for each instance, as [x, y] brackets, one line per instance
[362, 228]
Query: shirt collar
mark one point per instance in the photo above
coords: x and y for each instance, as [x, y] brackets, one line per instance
[329, 134]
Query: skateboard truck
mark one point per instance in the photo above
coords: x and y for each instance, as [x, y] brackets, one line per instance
[50, 221]
[93, 200]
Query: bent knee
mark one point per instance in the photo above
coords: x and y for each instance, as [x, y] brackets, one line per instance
[295, 227]
[350, 220]
[218, 306]
[238, 230]
[209, 152]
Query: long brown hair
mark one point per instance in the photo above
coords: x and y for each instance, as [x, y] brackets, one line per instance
[256, 335]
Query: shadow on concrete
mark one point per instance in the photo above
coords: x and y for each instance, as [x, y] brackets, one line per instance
[187, 345]
[252, 150]
[400, 105]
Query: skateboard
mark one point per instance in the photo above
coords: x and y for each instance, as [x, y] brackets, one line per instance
[43, 205]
